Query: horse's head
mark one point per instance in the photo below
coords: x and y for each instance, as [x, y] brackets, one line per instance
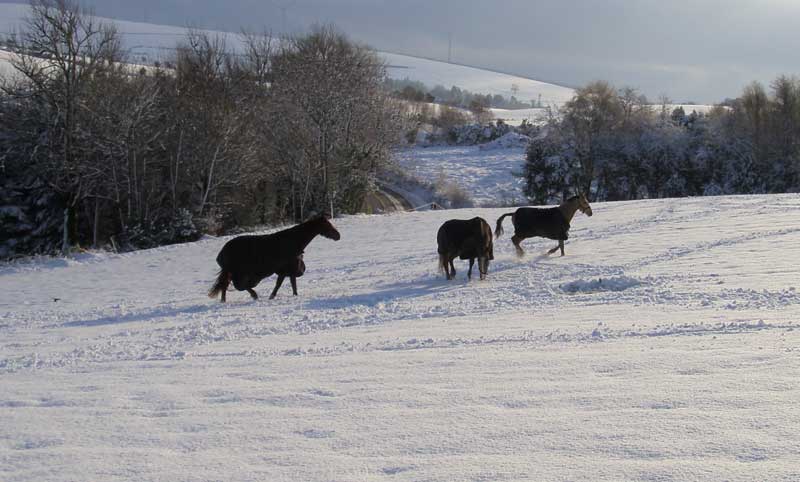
[326, 228]
[583, 204]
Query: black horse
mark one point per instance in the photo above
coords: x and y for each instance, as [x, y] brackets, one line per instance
[467, 239]
[246, 260]
[552, 223]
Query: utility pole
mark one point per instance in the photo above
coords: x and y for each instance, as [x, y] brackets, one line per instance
[449, 47]
[284, 6]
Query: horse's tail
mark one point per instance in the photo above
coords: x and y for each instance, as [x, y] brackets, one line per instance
[223, 278]
[499, 230]
[442, 263]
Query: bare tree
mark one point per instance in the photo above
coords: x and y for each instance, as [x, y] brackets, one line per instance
[62, 50]
[334, 88]
[215, 116]
[589, 116]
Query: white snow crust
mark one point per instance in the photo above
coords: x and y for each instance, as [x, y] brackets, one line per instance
[118, 367]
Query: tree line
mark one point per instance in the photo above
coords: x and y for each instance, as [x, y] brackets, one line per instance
[414, 90]
[95, 150]
[615, 145]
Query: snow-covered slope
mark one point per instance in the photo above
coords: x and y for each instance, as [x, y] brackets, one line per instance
[432, 72]
[664, 346]
[487, 175]
[150, 42]
[6, 71]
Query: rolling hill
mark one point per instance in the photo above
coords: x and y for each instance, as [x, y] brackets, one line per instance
[148, 43]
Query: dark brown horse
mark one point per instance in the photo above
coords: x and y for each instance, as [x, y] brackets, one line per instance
[246, 260]
[552, 223]
[467, 239]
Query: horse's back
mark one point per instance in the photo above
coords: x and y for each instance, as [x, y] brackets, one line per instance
[542, 222]
[450, 235]
[239, 251]
[468, 238]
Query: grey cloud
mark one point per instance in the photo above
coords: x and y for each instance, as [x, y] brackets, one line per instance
[703, 50]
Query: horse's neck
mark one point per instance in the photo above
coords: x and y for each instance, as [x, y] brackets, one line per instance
[568, 209]
[306, 233]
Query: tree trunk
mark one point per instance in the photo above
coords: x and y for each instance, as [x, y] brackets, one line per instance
[65, 236]
[96, 222]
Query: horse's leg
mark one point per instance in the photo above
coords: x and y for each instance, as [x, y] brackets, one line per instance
[551, 251]
[252, 293]
[225, 287]
[516, 240]
[293, 279]
[452, 268]
[483, 267]
[277, 286]
[561, 245]
[469, 273]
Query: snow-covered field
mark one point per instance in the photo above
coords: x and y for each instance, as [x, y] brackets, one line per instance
[432, 73]
[486, 174]
[664, 346]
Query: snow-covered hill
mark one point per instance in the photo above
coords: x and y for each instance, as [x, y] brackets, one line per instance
[664, 346]
[432, 73]
[150, 42]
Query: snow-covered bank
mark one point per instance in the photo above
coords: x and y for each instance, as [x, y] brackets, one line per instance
[487, 174]
[381, 370]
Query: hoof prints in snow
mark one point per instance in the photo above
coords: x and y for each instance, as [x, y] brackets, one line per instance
[315, 433]
[619, 283]
[38, 444]
[397, 470]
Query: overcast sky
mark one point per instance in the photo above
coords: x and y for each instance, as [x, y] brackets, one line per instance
[690, 50]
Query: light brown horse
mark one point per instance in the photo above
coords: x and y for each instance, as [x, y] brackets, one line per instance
[552, 223]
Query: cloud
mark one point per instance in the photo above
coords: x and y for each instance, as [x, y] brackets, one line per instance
[703, 50]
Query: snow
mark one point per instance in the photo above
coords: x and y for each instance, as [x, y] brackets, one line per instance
[475, 80]
[507, 141]
[382, 370]
[615, 283]
[6, 69]
[487, 175]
